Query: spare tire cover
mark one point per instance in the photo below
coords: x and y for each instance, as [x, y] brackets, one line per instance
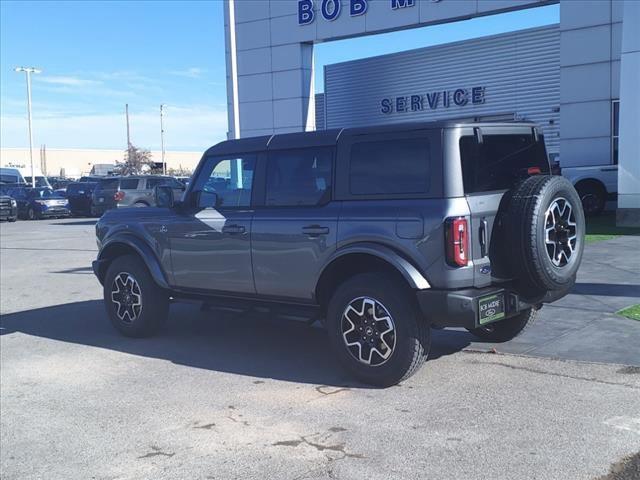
[544, 226]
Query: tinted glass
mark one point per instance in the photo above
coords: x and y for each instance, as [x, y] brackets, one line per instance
[7, 178]
[298, 177]
[108, 183]
[128, 183]
[231, 179]
[390, 167]
[500, 160]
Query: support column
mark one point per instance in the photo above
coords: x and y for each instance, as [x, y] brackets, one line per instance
[629, 144]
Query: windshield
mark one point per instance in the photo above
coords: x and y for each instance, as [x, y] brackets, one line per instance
[40, 181]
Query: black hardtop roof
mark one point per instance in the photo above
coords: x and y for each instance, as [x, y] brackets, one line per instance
[321, 138]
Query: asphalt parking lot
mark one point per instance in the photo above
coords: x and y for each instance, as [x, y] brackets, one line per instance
[218, 396]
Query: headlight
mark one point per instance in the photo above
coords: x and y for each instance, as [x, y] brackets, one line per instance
[14, 203]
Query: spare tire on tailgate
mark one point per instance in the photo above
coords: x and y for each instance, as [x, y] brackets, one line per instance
[544, 234]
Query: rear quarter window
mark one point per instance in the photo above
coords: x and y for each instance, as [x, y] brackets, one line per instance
[387, 167]
[500, 161]
[129, 184]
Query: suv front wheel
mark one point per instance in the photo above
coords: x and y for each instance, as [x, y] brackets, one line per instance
[376, 329]
[136, 305]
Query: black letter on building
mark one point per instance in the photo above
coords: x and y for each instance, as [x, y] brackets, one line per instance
[386, 105]
[477, 95]
[416, 103]
[460, 97]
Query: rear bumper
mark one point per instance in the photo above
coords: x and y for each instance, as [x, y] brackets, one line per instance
[460, 308]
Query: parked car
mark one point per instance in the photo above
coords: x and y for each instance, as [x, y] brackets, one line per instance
[596, 185]
[8, 208]
[79, 195]
[59, 183]
[37, 203]
[138, 190]
[102, 198]
[380, 232]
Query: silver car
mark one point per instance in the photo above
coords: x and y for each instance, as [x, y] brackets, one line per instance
[138, 190]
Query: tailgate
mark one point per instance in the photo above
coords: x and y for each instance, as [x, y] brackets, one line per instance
[483, 208]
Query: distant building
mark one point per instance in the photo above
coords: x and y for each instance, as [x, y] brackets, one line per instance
[73, 163]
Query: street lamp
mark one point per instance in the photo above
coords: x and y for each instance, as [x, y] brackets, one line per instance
[28, 71]
[164, 165]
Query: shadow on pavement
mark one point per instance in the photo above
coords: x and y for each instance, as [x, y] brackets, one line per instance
[606, 289]
[253, 345]
[78, 222]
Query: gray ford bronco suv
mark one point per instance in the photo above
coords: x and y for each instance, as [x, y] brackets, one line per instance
[380, 233]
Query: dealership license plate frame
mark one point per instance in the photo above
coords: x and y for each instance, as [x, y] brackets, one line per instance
[485, 305]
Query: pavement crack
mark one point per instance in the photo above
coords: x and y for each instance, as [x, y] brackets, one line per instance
[326, 390]
[157, 452]
[555, 374]
[321, 447]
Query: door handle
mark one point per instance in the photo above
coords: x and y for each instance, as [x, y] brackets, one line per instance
[233, 229]
[484, 244]
[315, 230]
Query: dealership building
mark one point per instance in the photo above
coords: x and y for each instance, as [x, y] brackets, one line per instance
[579, 79]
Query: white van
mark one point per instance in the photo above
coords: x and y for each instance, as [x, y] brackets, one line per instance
[11, 175]
[41, 180]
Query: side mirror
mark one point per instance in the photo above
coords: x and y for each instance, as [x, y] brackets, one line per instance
[164, 196]
[206, 199]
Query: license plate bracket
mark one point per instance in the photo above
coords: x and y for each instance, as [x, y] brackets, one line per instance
[491, 308]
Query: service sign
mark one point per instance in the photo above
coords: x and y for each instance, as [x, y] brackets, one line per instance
[433, 100]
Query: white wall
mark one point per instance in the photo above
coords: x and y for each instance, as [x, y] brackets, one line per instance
[590, 36]
[629, 169]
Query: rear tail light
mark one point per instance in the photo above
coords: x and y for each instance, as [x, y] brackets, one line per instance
[118, 196]
[457, 241]
[534, 171]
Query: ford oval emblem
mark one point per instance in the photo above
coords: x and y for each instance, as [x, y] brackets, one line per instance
[485, 270]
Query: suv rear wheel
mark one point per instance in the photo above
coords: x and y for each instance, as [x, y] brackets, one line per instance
[506, 330]
[136, 305]
[376, 329]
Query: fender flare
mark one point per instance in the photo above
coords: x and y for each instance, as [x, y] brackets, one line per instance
[409, 272]
[140, 247]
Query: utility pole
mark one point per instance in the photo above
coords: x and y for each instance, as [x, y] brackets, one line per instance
[28, 71]
[126, 112]
[164, 165]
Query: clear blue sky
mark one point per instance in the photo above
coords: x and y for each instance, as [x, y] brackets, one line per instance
[97, 56]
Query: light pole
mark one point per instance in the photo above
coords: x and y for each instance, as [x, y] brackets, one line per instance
[164, 165]
[29, 71]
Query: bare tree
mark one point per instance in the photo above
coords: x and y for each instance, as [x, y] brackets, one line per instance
[136, 161]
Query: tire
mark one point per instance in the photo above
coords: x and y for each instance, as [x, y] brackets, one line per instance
[31, 214]
[593, 197]
[12, 219]
[544, 228]
[409, 340]
[129, 274]
[506, 330]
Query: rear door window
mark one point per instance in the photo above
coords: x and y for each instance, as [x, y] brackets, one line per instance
[500, 160]
[387, 167]
[300, 177]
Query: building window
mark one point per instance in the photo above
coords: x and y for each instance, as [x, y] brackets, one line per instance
[615, 129]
